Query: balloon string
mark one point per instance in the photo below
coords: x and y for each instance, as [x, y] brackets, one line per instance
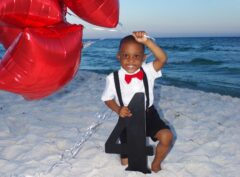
[120, 28]
[124, 29]
[152, 38]
[90, 42]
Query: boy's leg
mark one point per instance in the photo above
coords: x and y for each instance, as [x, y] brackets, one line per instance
[123, 140]
[158, 130]
[165, 138]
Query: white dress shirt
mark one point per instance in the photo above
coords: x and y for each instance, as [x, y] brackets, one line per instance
[129, 90]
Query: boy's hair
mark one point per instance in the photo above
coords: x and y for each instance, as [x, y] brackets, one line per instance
[130, 38]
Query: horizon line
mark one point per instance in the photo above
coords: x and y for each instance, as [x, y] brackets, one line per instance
[238, 36]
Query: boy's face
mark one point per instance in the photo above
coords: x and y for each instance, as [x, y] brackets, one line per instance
[131, 56]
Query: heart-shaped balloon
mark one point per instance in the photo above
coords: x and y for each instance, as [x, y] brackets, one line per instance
[41, 60]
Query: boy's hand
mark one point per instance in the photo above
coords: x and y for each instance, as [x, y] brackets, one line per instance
[124, 112]
[159, 54]
[140, 36]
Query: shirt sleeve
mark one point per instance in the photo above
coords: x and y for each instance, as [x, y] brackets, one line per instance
[149, 69]
[109, 91]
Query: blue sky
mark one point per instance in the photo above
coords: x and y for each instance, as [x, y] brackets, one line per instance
[172, 18]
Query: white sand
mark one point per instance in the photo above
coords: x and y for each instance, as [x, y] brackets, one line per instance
[64, 135]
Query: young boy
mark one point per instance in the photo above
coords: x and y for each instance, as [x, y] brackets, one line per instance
[131, 56]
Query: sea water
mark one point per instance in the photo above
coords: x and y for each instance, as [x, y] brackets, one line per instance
[207, 64]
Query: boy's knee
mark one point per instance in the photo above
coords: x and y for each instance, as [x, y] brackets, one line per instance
[165, 137]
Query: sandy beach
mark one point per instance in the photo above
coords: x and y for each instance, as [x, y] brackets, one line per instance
[64, 135]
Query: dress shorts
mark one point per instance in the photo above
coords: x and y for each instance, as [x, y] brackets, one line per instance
[154, 123]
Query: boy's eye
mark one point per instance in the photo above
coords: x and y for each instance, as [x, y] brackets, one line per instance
[136, 56]
[124, 55]
[127, 56]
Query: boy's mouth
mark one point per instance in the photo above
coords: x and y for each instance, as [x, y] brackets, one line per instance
[130, 66]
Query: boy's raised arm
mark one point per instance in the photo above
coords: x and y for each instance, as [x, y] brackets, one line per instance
[159, 54]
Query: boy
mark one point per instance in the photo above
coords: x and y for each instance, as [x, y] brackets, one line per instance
[131, 56]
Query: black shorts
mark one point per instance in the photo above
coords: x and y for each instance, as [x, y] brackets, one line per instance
[153, 125]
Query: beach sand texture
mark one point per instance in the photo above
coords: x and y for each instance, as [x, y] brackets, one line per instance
[64, 135]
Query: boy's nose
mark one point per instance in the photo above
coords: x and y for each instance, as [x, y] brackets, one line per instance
[131, 58]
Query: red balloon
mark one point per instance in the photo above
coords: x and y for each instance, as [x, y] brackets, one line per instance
[41, 60]
[8, 34]
[30, 13]
[101, 12]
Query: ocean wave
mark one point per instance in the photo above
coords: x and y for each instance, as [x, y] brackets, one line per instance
[200, 49]
[214, 87]
[193, 48]
[227, 48]
[99, 71]
[198, 61]
[204, 61]
[178, 48]
[231, 70]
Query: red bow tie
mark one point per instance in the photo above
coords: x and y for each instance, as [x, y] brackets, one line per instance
[138, 75]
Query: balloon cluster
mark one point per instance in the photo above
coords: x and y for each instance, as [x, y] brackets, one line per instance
[43, 50]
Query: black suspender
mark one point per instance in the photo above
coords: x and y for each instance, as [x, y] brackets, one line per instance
[145, 83]
[117, 86]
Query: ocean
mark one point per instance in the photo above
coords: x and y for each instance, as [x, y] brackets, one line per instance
[210, 64]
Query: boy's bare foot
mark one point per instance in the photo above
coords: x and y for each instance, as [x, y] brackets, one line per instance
[124, 161]
[156, 166]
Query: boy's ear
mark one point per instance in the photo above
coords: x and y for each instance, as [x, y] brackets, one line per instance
[144, 57]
